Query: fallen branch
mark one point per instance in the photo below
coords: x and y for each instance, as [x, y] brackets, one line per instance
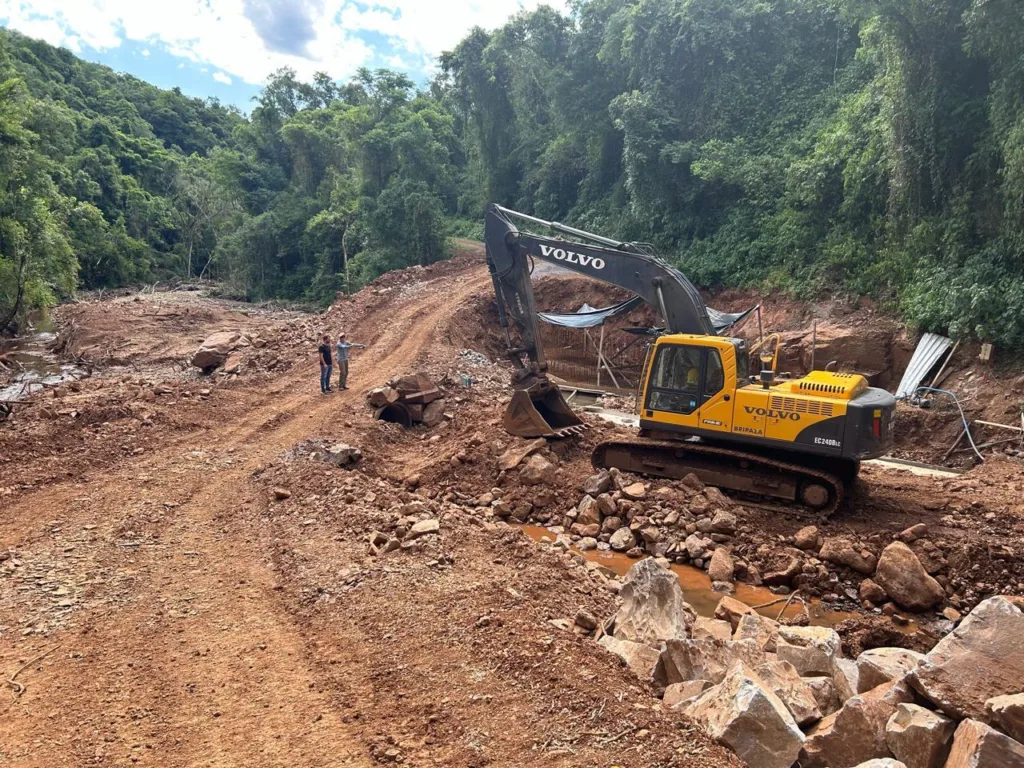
[19, 688]
[792, 594]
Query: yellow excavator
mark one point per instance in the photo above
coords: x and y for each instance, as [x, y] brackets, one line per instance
[702, 410]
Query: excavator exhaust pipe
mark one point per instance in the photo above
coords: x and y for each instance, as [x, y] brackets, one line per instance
[541, 411]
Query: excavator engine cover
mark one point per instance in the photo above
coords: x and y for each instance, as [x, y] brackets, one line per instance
[540, 411]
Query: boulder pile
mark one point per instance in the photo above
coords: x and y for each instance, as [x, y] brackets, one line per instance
[408, 400]
[784, 695]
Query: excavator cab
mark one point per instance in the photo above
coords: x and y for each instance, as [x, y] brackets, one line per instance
[540, 410]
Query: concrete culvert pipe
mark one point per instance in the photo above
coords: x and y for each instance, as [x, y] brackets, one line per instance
[395, 412]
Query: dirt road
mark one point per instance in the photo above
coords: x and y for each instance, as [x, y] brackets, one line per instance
[187, 629]
[194, 660]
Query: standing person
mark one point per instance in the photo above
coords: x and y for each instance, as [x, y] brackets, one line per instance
[342, 348]
[324, 351]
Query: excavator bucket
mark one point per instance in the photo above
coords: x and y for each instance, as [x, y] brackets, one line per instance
[540, 412]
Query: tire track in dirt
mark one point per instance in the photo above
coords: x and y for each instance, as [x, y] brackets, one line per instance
[186, 654]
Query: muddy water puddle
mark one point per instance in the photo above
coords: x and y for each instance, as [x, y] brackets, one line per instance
[31, 363]
[697, 587]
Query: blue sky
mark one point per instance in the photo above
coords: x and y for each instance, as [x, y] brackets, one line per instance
[226, 48]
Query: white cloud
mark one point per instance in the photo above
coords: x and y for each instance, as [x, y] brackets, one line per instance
[220, 77]
[221, 35]
[145, 51]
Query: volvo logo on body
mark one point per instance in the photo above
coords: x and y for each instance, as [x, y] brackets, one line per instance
[571, 257]
[772, 414]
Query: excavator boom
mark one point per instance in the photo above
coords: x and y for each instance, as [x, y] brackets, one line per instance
[538, 408]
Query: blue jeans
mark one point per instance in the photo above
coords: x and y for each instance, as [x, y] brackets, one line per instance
[325, 377]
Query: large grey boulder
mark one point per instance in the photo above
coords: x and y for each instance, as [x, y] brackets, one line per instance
[653, 607]
[856, 732]
[981, 659]
[919, 737]
[215, 349]
[905, 580]
[680, 694]
[1007, 714]
[812, 650]
[781, 678]
[640, 658]
[753, 626]
[622, 540]
[976, 745]
[880, 665]
[705, 659]
[743, 714]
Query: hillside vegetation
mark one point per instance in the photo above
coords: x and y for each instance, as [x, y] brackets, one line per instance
[870, 146]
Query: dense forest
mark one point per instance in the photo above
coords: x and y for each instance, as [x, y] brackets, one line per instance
[811, 146]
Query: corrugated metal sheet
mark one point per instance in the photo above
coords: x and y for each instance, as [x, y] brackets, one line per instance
[930, 348]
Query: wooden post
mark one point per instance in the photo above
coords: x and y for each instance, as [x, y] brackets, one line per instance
[600, 355]
[760, 327]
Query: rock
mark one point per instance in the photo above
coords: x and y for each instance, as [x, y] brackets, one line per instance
[653, 607]
[433, 413]
[587, 543]
[781, 577]
[741, 713]
[651, 535]
[640, 658]
[951, 614]
[905, 580]
[976, 745]
[761, 629]
[824, 691]
[282, 493]
[1007, 713]
[597, 484]
[635, 491]
[622, 540]
[233, 363]
[722, 567]
[537, 471]
[913, 533]
[607, 506]
[215, 349]
[678, 695]
[343, 455]
[586, 619]
[724, 521]
[378, 397]
[694, 545]
[711, 628]
[883, 762]
[846, 676]
[872, 593]
[693, 482]
[880, 665]
[919, 737]
[705, 659]
[423, 528]
[812, 650]
[850, 736]
[729, 609]
[842, 552]
[808, 538]
[515, 455]
[781, 678]
[588, 512]
[611, 524]
[981, 659]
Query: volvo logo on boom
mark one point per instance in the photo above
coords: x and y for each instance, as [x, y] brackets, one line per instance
[571, 257]
[772, 414]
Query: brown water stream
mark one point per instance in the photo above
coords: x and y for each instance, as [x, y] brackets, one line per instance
[697, 587]
[31, 361]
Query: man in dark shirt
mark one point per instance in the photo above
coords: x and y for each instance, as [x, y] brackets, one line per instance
[324, 351]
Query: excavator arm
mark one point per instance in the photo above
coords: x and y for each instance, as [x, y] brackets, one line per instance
[537, 408]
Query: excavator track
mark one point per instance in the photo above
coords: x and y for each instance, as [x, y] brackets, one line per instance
[812, 490]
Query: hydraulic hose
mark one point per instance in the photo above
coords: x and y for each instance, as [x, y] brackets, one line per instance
[963, 418]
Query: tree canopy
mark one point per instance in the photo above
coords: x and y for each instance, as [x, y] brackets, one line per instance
[812, 146]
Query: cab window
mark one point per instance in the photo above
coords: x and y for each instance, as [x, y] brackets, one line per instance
[714, 375]
[675, 379]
